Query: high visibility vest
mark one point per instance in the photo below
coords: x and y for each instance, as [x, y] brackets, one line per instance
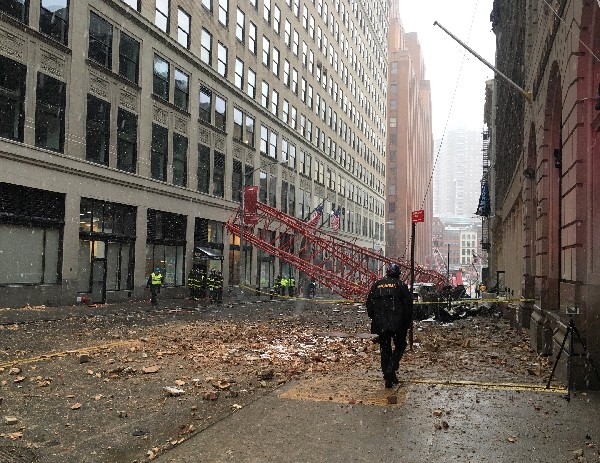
[156, 278]
[284, 282]
[292, 282]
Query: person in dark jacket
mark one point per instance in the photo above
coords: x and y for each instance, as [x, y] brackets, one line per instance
[389, 306]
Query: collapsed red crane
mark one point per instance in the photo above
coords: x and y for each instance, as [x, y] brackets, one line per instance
[345, 268]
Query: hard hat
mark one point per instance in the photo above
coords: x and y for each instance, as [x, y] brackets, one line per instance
[393, 270]
[157, 270]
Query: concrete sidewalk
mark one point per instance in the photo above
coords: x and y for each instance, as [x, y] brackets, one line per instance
[302, 422]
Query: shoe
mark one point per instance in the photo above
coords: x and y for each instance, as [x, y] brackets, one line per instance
[389, 384]
[395, 379]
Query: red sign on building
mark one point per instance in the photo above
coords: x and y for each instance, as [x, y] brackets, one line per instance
[418, 216]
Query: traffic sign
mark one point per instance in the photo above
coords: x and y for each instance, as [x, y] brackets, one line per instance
[418, 216]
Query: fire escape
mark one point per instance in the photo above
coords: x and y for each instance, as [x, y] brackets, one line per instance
[484, 206]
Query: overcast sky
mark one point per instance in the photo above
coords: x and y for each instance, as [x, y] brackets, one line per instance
[469, 20]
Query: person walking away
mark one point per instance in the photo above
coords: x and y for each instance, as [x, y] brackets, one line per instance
[154, 283]
[291, 286]
[389, 306]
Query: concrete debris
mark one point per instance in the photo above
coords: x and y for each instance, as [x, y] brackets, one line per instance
[10, 420]
[173, 391]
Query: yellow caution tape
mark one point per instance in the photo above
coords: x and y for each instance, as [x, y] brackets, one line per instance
[492, 386]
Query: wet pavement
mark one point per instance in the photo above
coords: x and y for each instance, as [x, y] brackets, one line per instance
[429, 423]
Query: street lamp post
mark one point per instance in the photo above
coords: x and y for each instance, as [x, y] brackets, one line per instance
[242, 223]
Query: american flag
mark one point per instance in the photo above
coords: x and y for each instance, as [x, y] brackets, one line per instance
[316, 215]
[335, 219]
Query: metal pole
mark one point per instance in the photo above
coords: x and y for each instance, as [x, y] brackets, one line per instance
[448, 267]
[523, 92]
[412, 279]
[242, 256]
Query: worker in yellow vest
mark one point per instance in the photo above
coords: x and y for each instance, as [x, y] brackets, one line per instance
[284, 285]
[154, 282]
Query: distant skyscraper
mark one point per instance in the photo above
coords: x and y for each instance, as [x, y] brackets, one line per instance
[409, 144]
[457, 176]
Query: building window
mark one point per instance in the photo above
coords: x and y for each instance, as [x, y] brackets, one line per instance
[182, 90]
[206, 47]
[203, 168]
[161, 18]
[275, 62]
[224, 12]
[251, 83]
[129, 57]
[183, 28]
[165, 245]
[207, 4]
[54, 19]
[285, 111]
[51, 95]
[277, 20]
[238, 124]
[287, 33]
[273, 144]
[222, 59]
[97, 130]
[126, 141]
[31, 221]
[275, 102]
[12, 99]
[249, 134]
[161, 78]
[267, 11]
[159, 152]
[180, 147]
[238, 78]
[295, 45]
[240, 25]
[286, 73]
[220, 113]
[206, 105]
[295, 81]
[252, 38]
[264, 139]
[236, 181]
[264, 99]
[266, 48]
[100, 41]
[18, 9]
[107, 232]
[135, 4]
[219, 175]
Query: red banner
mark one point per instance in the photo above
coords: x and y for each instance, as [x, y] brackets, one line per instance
[250, 200]
[418, 216]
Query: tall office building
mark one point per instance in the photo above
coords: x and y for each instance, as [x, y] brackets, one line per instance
[410, 144]
[457, 176]
[128, 127]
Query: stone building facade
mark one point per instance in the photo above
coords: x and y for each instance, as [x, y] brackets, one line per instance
[410, 145]
[545, 160]
[128, 128]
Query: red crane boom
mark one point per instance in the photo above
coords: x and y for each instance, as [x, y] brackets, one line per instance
[346, 268]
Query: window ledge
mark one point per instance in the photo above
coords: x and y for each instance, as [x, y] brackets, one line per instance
[170, 105]
[110, 73]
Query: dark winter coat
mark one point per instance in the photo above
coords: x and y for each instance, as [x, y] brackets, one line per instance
[389, 306]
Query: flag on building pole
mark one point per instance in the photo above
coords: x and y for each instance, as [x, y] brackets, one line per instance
[335, 219]
[316, 215]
